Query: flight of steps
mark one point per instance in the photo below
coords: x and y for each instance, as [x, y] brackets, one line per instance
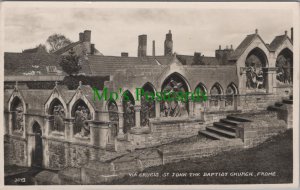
[280, 105]
[224, 129]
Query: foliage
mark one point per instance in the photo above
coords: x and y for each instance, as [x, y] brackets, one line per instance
[70, 63]
[57, 41]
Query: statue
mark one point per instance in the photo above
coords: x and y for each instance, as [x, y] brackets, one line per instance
[147, 111]
[19, 118]
[59, 114]
[284, 70]
[255, 77]
[81, 126]
[173, 108]
[129, 116]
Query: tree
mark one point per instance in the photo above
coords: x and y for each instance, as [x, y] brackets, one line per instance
[70, 63]
[57, 41]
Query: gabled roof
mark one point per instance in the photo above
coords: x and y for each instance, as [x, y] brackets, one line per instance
[277, 41]
[87, 91]
[30, 63]
[243, 46]
[66, 48]
[65, 93]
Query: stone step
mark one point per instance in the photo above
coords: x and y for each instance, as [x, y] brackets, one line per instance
[278, 104]
[237, 118]
[231, 122]
[221, 132]
[273, 108]
[110, 147]
[286, 101]
[225, 126]
[210, 135]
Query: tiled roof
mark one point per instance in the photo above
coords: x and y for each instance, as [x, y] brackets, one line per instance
[189, 60]
[66, 94]
[278, 40]
[30, 63]
[106, 65]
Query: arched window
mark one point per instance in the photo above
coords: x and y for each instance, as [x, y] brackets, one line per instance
[113, 118]
[147, 104]
[215, 95]
[17, 110]
[173, 85]
[284, 63]
[230, 92]
[58, 113]
[256, 62]
[81, 114]
[129, 111]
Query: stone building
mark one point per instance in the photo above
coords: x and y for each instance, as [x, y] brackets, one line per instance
[57, 127]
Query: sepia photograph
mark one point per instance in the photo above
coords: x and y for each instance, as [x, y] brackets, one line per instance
[109, 94]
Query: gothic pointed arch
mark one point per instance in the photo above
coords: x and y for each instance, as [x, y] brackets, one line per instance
[231, 90]
[147, 103]
[284, 63]
[57, 114]
[113, 115]
[216, 93]
[256, 73]
[172, 86]
[17, 110]
[81, 113]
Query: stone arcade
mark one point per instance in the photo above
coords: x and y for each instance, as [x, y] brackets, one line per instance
[58, 128]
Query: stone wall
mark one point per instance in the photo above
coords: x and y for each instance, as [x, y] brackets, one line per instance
[15, 151]
[257, 102]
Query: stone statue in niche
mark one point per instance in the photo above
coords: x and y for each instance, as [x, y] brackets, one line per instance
[19, 118]
[59, 114]
[82, 114]
[173, 108]
[284, 70]
[128, 116]
[255, 77]
[147, 108]
[214, 99]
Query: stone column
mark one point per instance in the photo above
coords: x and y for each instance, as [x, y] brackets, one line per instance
[271, 79]
[69, 132]
[191, 108]
[121, 125]
[95, 134]
[137, 109]
[10, 122]
[157, 109]
[47, 125]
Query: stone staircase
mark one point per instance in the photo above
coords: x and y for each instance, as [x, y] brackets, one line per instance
[224, 129]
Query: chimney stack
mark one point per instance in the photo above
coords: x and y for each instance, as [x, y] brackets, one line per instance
[220, 47]
[124, 54]
[142, 46]
[92, 49]
[231, 46]
[81, 37]
[169, 44]
[256, 31]
[153, 48]
[87, 36]
[292, 34]
[285, 32]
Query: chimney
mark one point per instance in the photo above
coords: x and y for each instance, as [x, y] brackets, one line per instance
[81, 36]
[197, 58]
[87, 36]
[220, 47]
[124, 54]
[256, 31]
[285, 32]
[142, 46]
[169, 44]
[153, 48]
[92, 49]
[231, 47]
[292, 34]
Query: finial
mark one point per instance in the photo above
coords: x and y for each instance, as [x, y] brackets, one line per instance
[56, 83]
[256, 31]
[16, 84]
[80, 83]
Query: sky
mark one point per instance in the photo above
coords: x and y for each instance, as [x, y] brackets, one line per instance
[115, 29]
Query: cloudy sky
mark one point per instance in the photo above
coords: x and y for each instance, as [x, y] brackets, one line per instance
[115, 28]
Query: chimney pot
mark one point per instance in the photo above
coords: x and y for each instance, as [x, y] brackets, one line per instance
[81, 36]
[256, 31]
[285, 32]
[292, 34]
[124, 54]
[153, 48]
[231, 46]
[87, 36]
[220, 47]
[142, 45]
